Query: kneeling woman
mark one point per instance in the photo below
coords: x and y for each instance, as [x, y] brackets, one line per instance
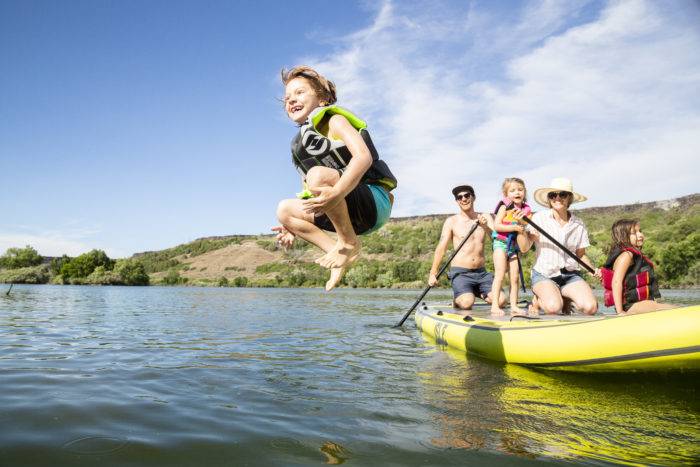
[556, 275]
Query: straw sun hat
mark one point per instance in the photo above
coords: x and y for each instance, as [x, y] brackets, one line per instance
[557, 184]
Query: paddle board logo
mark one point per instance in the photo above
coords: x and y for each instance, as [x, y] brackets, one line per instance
[440, 330]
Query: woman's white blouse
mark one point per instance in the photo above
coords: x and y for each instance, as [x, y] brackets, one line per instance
[550, 258]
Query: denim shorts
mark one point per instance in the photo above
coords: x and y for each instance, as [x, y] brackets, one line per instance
[564, 278]
[474, 281]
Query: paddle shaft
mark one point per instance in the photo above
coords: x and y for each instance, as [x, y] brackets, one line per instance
[8, 290]
[563, 248]
[447, 263]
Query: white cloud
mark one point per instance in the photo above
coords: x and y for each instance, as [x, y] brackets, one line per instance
[70, 241]
[545, 92]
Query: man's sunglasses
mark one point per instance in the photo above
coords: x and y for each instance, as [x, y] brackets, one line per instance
[560, 194]
[462, 196]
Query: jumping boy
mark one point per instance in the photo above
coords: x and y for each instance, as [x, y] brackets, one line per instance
[467, 273]
[346, 186]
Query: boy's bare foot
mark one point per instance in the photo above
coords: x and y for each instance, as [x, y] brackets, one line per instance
[517, 311]
[336, 276]
[340, 256]
[497, 311]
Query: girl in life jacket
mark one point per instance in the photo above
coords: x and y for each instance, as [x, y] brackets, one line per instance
[628, 276]
[505, 247]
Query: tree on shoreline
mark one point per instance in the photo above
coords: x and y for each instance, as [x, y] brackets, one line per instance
[15, 258]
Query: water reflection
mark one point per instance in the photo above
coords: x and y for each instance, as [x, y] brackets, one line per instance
[630, 419]
[186, 376]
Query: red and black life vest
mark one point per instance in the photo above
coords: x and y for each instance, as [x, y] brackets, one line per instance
[639, 282]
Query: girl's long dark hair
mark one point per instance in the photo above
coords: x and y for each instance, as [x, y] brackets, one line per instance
[621, 231]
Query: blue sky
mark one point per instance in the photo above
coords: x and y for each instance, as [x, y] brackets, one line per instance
[132, 126]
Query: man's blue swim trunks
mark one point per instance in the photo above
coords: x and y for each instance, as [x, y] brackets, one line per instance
[474, 281]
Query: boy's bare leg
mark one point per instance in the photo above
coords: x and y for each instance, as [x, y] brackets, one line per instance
[292, 216]
[347, 247]
[514, 284]
[335, 278]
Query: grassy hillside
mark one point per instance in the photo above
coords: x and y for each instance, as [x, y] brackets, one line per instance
[400, 254]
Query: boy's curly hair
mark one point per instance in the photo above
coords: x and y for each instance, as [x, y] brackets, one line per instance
[324, 88]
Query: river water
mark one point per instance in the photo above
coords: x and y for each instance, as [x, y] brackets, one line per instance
[224, 376]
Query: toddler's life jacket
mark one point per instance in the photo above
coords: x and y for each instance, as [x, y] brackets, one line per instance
[509, 237]
[310, 148]
[639, 282]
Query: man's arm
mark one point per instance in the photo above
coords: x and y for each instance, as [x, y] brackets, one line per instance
[445, 238]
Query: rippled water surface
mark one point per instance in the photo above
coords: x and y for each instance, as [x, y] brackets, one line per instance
[223, 376]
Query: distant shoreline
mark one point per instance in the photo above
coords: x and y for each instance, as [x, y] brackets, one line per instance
[398, 256]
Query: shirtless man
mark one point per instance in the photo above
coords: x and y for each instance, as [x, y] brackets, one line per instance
[467, 273]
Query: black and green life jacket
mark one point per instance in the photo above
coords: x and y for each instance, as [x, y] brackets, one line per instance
[310, 148]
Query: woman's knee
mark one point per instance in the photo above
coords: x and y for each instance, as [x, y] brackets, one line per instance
[551, 304]
[589, 306]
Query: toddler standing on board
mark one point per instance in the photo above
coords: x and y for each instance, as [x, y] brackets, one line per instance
[628, 276]
[346, 186]
[505, 246]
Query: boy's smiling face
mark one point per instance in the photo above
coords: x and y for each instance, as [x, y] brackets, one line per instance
[300, 99]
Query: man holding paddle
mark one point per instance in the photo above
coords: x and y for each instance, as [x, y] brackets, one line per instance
[467, 230]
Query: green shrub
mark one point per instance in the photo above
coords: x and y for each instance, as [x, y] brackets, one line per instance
[57, 264]
[173, 278]
[29, 275]
[405, 271]
[15, 258]
[101, 276]
[131, 272]
[83, 265]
